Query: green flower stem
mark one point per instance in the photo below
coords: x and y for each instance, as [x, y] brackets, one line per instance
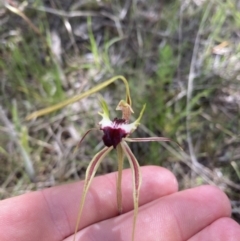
[120, 156]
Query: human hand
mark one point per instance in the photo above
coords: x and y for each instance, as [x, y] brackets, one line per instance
[201, 213]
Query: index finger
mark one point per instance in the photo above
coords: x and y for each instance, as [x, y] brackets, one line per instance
[51, 214]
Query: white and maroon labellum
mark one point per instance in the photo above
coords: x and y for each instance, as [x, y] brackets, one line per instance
[114, 131]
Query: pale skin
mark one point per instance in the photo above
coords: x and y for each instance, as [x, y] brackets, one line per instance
[165, 214]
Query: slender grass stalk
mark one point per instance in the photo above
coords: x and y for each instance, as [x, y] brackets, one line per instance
[22, 15]
[14, 136]
[94, 48]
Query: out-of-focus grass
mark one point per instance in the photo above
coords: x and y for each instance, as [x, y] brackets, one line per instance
[151, 43]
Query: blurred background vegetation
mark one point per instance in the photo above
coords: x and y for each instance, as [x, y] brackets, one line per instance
[181, 58]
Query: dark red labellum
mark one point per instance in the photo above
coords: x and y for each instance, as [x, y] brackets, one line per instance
[112, 136]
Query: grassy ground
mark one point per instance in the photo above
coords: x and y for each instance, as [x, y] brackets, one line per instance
[181, 58]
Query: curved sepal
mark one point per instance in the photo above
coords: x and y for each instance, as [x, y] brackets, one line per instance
[83, 137]
[76, 98]
[137, 121]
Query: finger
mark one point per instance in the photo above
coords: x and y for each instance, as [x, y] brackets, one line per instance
[223, 229]
[174, 217]
[51, 214]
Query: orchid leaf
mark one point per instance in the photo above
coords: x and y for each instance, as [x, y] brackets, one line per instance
[90, 173]
[137, 179]
[81, 96]
[120, 155]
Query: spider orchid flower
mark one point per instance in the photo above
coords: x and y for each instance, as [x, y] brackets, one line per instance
[116, 134]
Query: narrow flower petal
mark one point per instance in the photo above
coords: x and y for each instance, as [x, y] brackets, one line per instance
[133, 126]
[147, 139]
[105, 110]
[137, 179]
[120, 155]
[83, 137]
[90, 173]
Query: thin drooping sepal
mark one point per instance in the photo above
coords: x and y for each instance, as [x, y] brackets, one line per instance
[76, 98]
[137, 180]
[120, 156]
[90, 173]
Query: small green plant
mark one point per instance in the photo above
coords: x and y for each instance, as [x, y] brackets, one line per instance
[116, 134]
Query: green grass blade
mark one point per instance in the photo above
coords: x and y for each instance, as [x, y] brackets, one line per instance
[94, 47]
